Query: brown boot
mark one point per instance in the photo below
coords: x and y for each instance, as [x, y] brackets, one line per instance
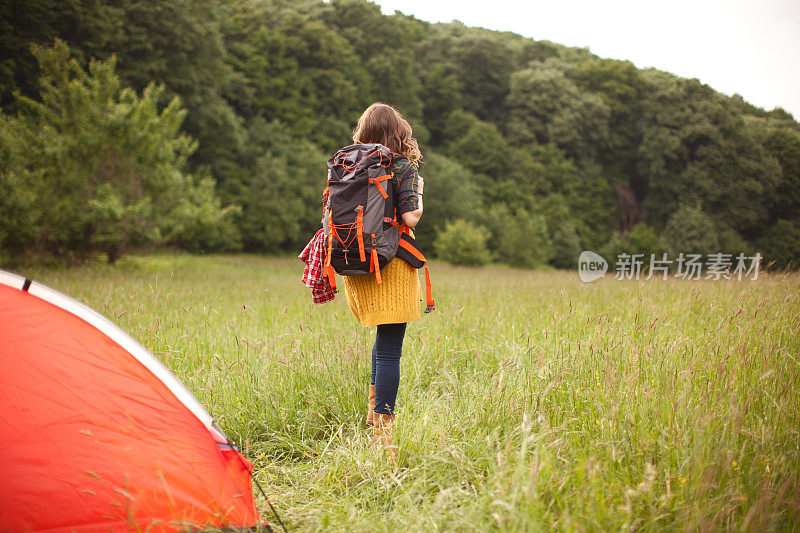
[371, 406]
[382, 435]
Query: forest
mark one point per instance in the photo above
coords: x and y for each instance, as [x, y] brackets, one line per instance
[205, 125]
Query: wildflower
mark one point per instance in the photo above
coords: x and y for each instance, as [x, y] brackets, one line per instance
[683, 480]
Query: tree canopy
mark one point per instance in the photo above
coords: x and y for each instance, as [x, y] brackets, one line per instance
[206, 124]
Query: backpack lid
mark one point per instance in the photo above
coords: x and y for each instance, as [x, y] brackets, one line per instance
[350, 160]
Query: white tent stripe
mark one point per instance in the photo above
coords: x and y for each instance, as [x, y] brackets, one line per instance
[116, 334]
[12, 280]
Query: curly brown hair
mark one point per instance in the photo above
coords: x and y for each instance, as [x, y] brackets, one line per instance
[381, 123]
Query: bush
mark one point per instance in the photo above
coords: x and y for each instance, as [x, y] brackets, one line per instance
[690, 230]
[520, 239]
[463, 243]
[730, 242]
[616, 245]
[566, 247]
[644, 240]
[781, 246]
[200, 223]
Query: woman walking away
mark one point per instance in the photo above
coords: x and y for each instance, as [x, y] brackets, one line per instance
[394, 302]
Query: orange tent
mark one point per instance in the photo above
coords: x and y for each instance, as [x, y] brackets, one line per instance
[97, 435]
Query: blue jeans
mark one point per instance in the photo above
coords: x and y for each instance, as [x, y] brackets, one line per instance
[386, 354]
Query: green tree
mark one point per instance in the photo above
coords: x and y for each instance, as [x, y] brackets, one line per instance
[783, 144]
[697, 150]
[545, 106]
[451, 193]
[180, 44]
[480, 61]
[440, 98]
[386, 46]
[536, 126]
[101, 166]
[477, 145]
[176, 43]
[641, 240]
[282, 201]
[620, 86]
[87, 25]
[301, 72]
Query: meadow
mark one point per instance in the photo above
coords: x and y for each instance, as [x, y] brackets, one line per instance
[528, 400]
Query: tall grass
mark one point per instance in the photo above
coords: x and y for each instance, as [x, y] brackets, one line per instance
[528, 401]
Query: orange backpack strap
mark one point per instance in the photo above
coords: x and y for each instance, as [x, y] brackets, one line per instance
[327, 270]
[332, 278]
[413, 251]
[377, 182]
[360, 233]
[431, 305]
[373, 261]
[374, 264]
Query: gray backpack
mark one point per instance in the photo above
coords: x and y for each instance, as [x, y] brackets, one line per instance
[360, 218]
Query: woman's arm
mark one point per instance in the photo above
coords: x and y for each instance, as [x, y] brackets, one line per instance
[411, 218]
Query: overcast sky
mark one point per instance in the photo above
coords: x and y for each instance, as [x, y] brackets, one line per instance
[736, 46]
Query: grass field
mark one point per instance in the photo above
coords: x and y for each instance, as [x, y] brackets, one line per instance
[528, 401]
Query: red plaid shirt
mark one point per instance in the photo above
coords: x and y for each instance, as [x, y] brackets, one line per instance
[313, 255]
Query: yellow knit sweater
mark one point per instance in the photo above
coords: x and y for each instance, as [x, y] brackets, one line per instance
[394, 301]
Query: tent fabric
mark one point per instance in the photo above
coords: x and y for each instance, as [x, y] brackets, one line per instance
[97, 435]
